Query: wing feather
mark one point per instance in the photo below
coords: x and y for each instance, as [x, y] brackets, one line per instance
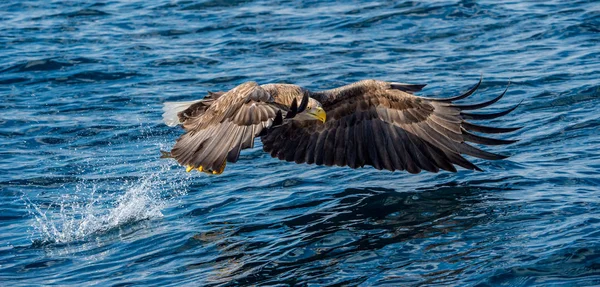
[319, 148]
[328, 156]
[220, 126]
[312, 145]
[350, 146]
[391, 151]
[339, 155]
[370, 146]
[301, 150]
[361, 152]
[381, 145]
[398, 146]
[379, 124]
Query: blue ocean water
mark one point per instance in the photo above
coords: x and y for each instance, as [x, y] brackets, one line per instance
[85, 200]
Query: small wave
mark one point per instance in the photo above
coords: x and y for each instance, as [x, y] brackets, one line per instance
[163, 33]
[48, 64]
[83, 13]
[95, 76]
[214, 4]
[186, 60]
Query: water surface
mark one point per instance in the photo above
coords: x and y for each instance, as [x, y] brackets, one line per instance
[84, 199]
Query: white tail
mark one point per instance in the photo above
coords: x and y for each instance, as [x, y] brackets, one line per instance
[171, 109]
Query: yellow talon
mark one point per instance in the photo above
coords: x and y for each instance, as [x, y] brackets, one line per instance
[209, 171]
[221, 169]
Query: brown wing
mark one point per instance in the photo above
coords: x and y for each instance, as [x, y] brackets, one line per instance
[225, 127]
[374, 123]
[197, 109]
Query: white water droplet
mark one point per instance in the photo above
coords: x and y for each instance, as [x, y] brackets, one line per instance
[85, 212]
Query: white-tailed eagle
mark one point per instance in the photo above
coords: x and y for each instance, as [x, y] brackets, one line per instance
[371, 122]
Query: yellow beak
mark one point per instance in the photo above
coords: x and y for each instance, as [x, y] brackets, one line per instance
[319, 114]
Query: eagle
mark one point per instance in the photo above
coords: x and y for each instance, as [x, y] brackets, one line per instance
[366, 123]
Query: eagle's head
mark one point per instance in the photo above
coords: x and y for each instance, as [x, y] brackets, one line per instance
[314, 111]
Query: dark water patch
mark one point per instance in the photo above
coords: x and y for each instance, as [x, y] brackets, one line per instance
[359, 10]
[48, 64]
[83, 13]
[140, 48]
[41, 181]
[214, 4]
[432, 11]
[44, 264]
[10, 218]
[216, 27]
[363, 23]
[286, 45]
[204, 210]
[581, 29]
[186, 60]
[569, 264]
[94, 76]
[291, 205]
[590, 124]
[51, 140]
[11, 81]
[374, 213]
[579, 96]
[163, 33]
[217, 80]
[57, 181]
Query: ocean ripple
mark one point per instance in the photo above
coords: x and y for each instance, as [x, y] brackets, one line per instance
[85, 196]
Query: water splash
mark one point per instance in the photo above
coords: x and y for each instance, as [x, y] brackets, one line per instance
[88, 212]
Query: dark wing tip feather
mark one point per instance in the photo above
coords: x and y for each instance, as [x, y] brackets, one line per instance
[484, 104]
[303, 103]
[452, 99]
[471, 116]
[278, 119]
[473, 166]
[473, 151]
[293, 110]
[488, 130]
[467, 136]
[409, 88]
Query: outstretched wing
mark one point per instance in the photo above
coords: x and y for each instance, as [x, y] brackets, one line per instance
[216, 133]
[375, 123]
